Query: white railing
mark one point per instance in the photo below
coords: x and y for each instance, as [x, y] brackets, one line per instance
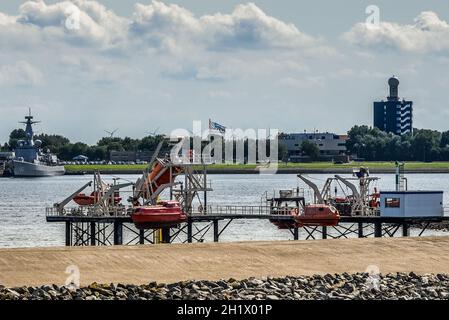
[198, 210]
[240, 210]
[87, 211]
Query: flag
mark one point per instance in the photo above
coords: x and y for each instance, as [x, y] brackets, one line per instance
[216, 126]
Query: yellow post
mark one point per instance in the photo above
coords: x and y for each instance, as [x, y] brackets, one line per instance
[157, 236]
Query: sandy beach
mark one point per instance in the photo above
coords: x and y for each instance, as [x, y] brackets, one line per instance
[213, 261]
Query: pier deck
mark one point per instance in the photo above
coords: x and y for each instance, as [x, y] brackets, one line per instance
[109, 230]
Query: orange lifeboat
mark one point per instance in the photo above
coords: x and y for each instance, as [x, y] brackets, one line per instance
[285, 224]
[318, 215]
[164, 214]
[159, 178]
[341, 200]
[374, 202]
[85, 200]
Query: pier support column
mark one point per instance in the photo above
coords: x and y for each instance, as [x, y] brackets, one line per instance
[405, 229]
[93, 234]
[324, 233]
[295, 233]
[165, 235]
[378, 229]
[118, 233]
[360, 229]
[189, 231]
[216, 235]
[141, 236]
[68, 233]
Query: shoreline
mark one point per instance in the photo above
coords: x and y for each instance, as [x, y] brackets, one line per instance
[279, 171]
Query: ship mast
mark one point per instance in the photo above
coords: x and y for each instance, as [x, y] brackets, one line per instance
[29, 128]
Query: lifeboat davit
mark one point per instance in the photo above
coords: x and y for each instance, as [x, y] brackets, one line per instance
[318, 215]
[88, 200]
[164, 214]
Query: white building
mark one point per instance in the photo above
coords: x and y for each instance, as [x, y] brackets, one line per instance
[329, 144]
[411, 203]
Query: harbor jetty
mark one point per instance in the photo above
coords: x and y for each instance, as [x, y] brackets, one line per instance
[172, 263]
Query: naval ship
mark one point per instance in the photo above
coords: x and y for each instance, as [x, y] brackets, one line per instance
[30, 160]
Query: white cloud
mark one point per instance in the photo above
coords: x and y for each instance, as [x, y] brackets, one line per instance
[173, 28]
[185, 46]
[248, 26]
[76, 22]
[164, 26]
[428, 34]
[6, 20]
[21, 73]
[78, 39]
[158, 26]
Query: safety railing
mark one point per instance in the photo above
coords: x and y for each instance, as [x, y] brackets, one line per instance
[240, 210]
[87, 211]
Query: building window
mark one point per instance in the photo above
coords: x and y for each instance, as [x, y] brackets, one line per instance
[341, 144]
[392, 202]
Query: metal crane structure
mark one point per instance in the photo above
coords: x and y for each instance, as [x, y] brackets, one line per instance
[184, 180]
[359, 198]
[317, 196]
[162, 174]
[102, 204]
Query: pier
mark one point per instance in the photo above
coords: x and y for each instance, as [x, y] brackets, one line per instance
[109, 230]
[105, 221]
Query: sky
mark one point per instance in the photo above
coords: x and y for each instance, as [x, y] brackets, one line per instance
[84, 66]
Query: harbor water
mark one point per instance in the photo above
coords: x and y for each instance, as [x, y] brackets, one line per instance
[23, 202]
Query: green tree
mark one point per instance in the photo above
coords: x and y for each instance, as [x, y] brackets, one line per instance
[53, 142]
[16, 135]
[5, 147]
[444, 139]
[425, 145]
[150, 143]
[97, 153]
[282, 151]
[310, 149]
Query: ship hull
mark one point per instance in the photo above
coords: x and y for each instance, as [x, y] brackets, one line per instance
[28, 169]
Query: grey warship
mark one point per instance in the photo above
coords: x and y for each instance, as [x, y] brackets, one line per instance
[30, 160]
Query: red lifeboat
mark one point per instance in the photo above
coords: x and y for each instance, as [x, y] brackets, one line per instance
[85, 200]
[318, 215]
[164, 214]
[159, 176]
[374, 201]
[285, 224]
